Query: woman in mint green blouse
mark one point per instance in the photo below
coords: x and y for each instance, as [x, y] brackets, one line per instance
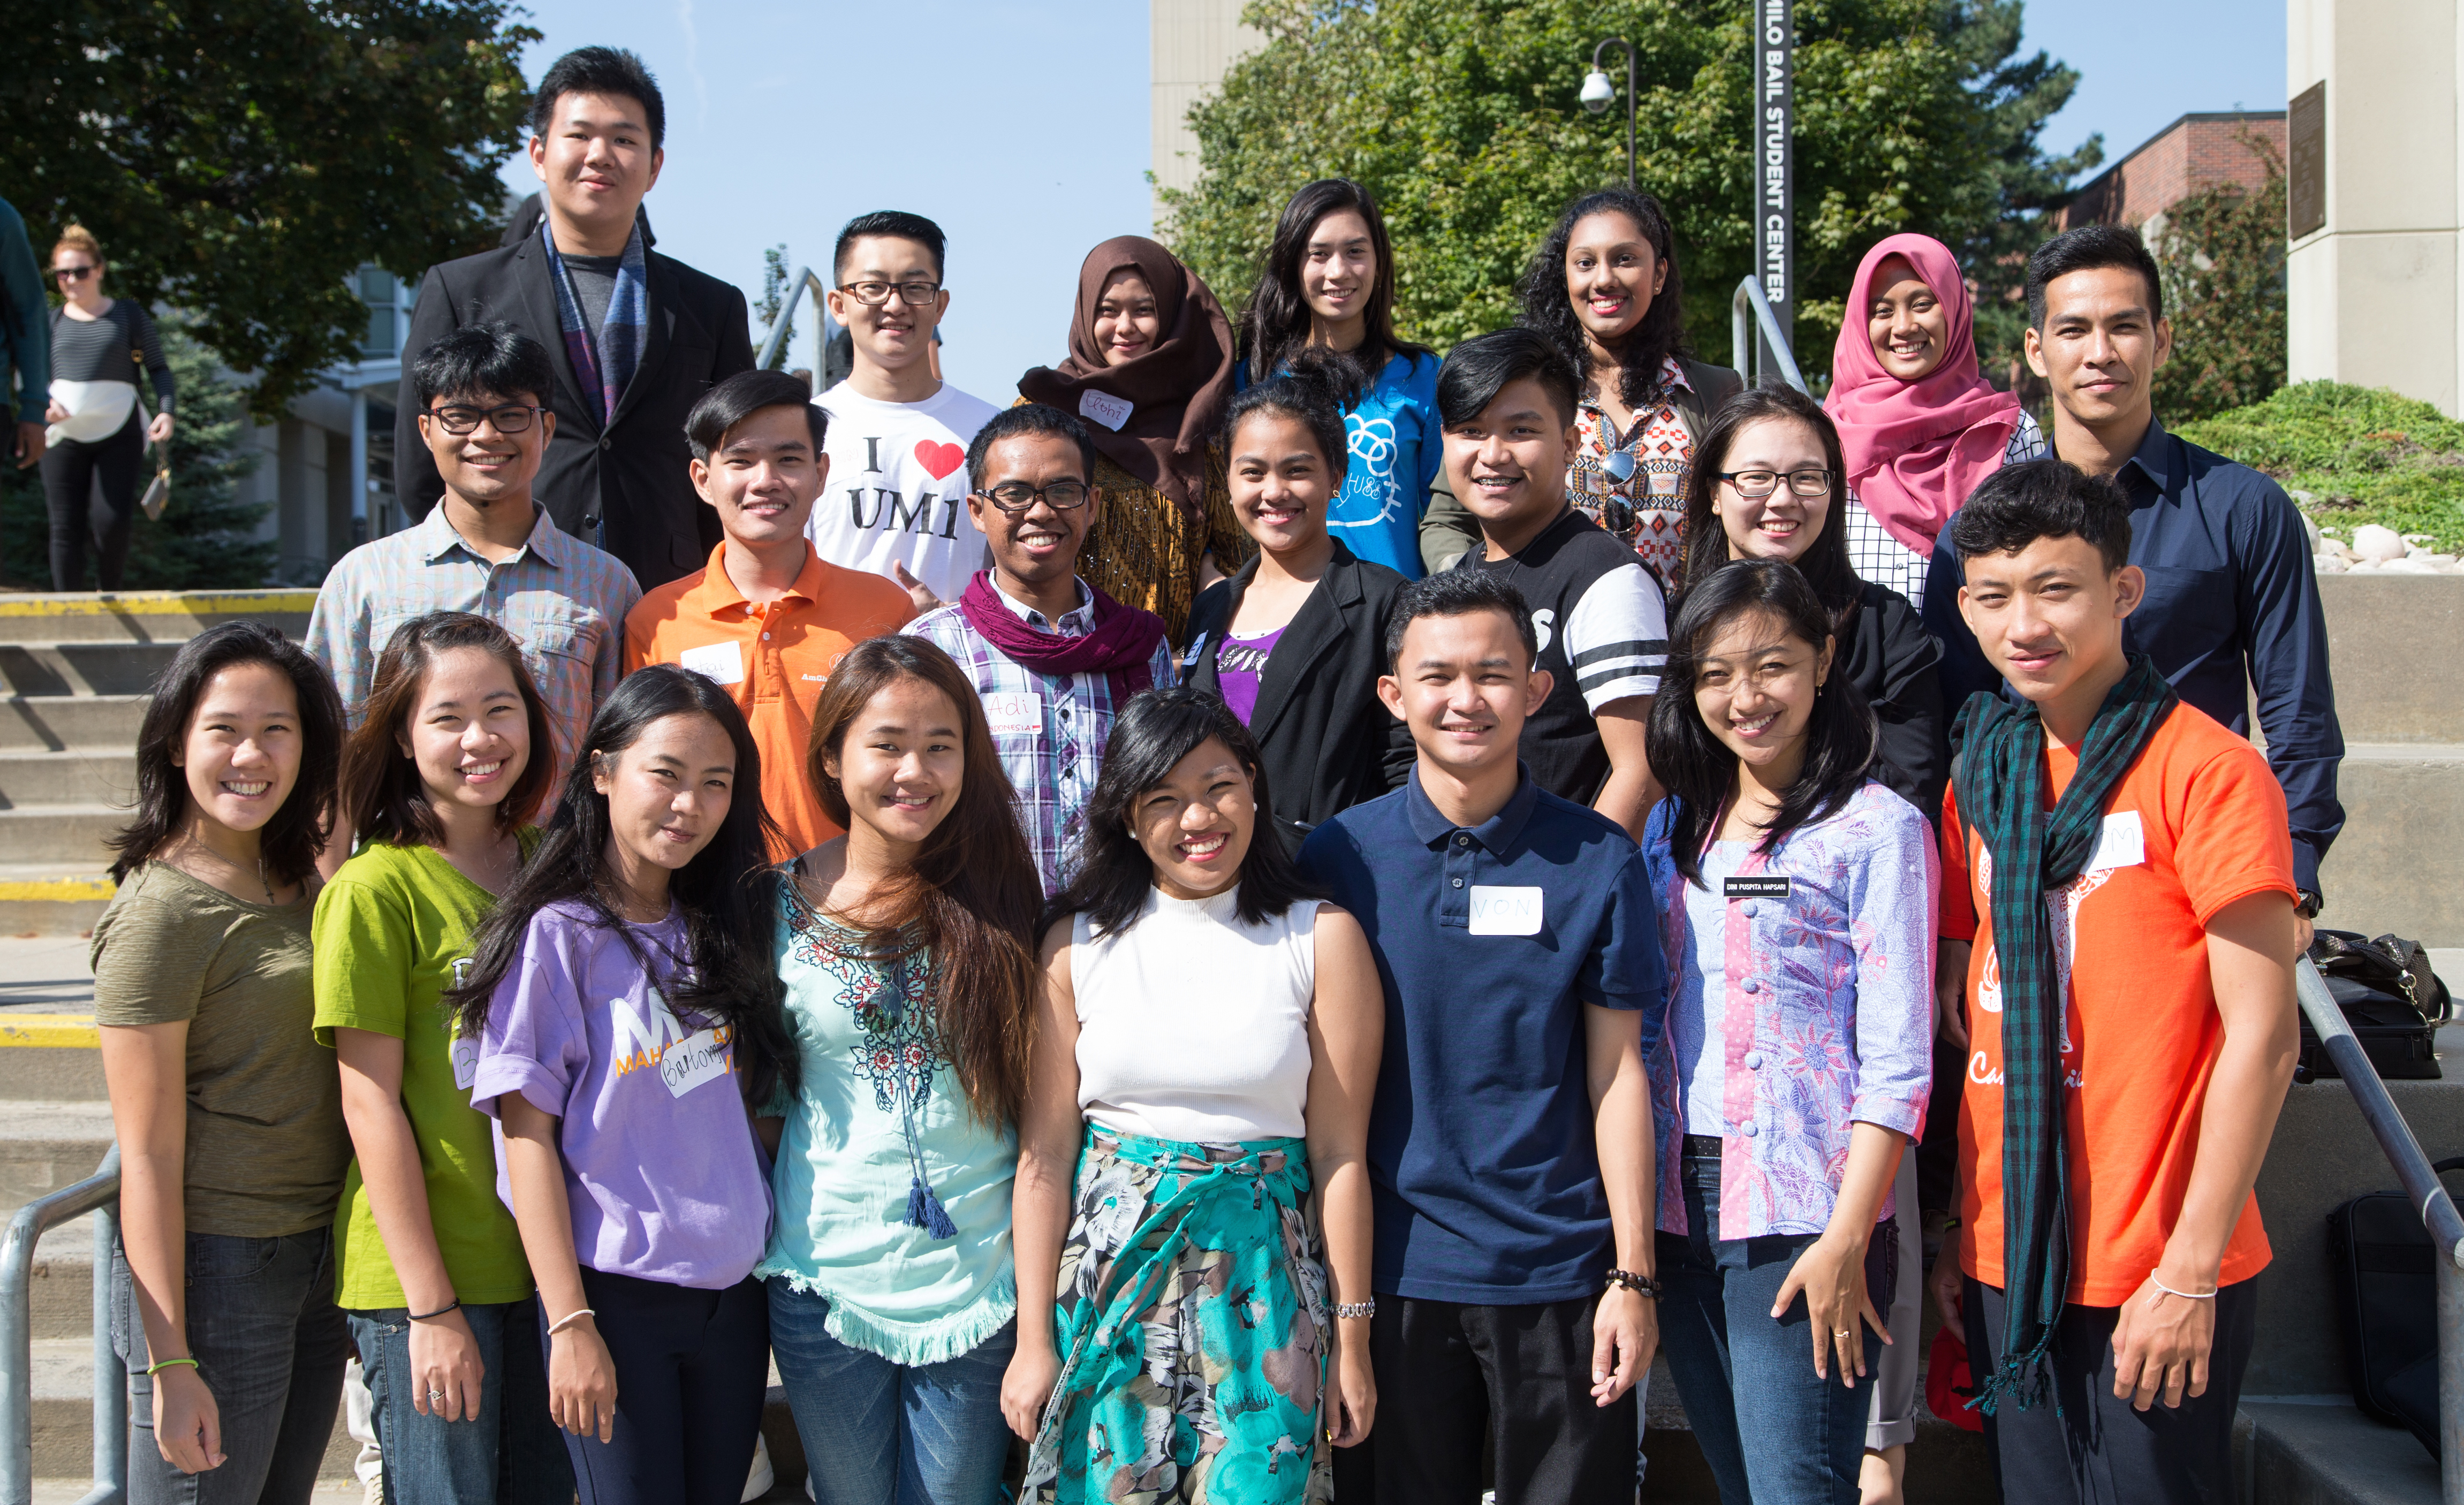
[905, 946]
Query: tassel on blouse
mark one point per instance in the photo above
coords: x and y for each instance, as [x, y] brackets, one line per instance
[924, 1210]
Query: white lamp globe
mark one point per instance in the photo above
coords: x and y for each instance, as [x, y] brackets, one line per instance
[1597, 91]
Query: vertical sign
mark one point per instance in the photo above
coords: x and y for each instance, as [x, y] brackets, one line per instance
[1775, 206]
[2305, 186]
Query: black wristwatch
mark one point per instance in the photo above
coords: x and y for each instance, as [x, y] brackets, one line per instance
[2308, 903]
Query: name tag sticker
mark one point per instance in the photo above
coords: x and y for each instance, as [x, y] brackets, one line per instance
[465, 1063]
[1768, 886]
[1105, 408]
[2123, 843]
[693, 1060]
[1015, 712]
[720, 663]
[1497, 911]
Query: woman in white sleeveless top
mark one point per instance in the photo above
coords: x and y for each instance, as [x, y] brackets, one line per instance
[1197, 1103]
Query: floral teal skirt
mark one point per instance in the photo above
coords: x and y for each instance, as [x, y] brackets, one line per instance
[1192, 1329]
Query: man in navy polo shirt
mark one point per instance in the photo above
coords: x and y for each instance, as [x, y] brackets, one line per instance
[1509, 1148]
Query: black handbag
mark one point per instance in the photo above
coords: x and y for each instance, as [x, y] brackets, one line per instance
[2388, 1290]
[2390, 996]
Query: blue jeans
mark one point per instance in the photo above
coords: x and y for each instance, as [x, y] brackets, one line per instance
[510, 1455]
[1773, 1432]
[269, 1345]
[882, 1434]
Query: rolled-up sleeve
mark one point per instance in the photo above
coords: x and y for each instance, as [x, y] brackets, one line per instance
[1897, 878]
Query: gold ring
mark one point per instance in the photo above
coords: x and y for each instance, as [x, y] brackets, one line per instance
[1843, 1332]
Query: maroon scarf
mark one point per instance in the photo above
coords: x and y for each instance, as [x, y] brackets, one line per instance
[1120, 648]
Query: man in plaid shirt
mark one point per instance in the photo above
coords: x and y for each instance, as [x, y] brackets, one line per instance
[1053, 658]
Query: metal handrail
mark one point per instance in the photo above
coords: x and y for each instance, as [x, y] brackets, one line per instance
[775, 339]
[99, 1194]
[2421, 1185]
[1748, 308]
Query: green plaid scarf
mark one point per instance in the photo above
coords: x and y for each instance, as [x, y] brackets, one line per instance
[2001, 781]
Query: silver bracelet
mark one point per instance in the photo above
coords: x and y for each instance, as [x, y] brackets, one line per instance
[1367, 1308]
[2187, 1296]
[568, 1320]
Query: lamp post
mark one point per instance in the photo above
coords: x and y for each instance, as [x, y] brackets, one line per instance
[1597, 91]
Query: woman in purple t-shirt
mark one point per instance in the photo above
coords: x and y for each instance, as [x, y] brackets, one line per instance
[1294, 640]
[628, 1016]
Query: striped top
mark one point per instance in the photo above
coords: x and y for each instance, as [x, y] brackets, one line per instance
[99, 349]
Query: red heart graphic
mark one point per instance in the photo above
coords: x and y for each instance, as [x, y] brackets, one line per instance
[938, 459]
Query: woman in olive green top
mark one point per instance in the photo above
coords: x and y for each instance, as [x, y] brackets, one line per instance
[440, 781]
[229, 1118]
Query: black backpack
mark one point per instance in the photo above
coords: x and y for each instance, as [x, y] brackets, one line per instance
[2388, 1289]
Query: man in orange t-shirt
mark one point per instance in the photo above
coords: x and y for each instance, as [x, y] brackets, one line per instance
[2172, 950]
[767, 618]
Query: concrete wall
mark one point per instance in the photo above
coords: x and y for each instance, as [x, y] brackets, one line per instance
[2377, 294]
[1190, 43]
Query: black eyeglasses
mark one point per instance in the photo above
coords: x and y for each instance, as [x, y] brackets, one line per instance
[71, 273]
[510, 420]
[1016, 496]
[1755, 485]
[874, 294]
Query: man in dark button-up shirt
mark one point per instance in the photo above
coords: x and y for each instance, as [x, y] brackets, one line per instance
[2232, 602]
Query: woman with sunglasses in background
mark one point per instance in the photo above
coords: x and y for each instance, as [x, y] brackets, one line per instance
[96, 444]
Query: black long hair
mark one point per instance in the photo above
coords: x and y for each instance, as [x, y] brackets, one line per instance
[1825, 564]
[727, 893]
[1276, 323]
[1698, 769]
[291, 840]
[1309, 391]
[1154, 732]
[383, 796]
[1550, 309]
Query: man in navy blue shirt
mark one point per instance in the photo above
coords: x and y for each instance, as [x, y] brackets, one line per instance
[1510, 1147]
[2232, 602]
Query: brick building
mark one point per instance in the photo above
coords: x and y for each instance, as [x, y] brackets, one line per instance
[2197, 152]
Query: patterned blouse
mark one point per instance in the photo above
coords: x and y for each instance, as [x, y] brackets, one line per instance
[1826, 1013]
[1882, 559]
[1144, 553]
[1662, 453]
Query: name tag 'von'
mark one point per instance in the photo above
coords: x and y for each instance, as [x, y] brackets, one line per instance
[1498, 910]
[1774, 885]
[720, 663]
[692, 1061]
[1017, 713]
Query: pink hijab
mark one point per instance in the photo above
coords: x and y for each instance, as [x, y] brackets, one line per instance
[1915, 449]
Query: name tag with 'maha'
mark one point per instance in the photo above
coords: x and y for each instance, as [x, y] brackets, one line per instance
[1500, 910]
[1762, 887]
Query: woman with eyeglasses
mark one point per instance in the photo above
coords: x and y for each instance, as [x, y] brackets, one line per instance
[1328, 285]
[1604, 287]
[96, 442]
[1148, 370]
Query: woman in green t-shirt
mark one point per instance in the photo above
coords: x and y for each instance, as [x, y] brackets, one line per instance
[440, 783]
[229, 1118]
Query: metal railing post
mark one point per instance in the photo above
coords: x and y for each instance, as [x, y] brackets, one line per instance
[26, 1230]
[2428, 1195]
[1748, 309]
[110, 1375]
[775, 340]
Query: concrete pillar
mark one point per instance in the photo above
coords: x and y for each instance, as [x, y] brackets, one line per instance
[1190, 43]
[2376, 293]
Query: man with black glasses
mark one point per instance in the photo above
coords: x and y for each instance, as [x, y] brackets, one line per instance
[488, 546]
[1053, 657]
[897, 499]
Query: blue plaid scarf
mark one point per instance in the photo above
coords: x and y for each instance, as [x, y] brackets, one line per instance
[603, 366]
[2001, 782]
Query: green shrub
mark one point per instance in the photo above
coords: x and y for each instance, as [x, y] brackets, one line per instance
[2364, 454]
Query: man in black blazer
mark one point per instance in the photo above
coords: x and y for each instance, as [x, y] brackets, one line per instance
[619, 481]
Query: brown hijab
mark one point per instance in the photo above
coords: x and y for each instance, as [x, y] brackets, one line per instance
[1177, 391]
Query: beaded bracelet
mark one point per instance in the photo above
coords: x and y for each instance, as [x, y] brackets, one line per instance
[1641, 1284]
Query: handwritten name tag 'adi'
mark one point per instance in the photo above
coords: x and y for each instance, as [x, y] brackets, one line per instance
[1014, 713]
[1499, 910]
[1105, 408]
[694, 1060]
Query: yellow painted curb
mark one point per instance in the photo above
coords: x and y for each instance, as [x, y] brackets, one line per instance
[48, 1031]
[161, 604]
[56, 889]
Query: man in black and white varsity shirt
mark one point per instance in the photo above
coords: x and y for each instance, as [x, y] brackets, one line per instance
[1507, 403]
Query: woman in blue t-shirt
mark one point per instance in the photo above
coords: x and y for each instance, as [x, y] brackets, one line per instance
[1329, 283]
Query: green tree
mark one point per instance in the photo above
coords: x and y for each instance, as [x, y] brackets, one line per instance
[775, 277]
[2221, 255]
[1461, 116]
[239, 160]
[206, 538]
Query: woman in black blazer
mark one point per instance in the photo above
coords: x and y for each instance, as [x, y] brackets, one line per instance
[1295, 640]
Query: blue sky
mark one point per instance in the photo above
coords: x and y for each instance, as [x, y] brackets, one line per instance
[1021, 127]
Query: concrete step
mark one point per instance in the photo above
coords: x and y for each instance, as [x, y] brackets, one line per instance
[89, 774]
[63, 834]
[48, 1144]
[53, 898]
[63, 1376]
[58, 722]
[2392, 641]
[147, 615]
[2322, 1451]
[83, 669]
[2399, 864]
[50, 1058]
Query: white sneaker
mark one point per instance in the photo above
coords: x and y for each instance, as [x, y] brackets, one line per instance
[760, 1481]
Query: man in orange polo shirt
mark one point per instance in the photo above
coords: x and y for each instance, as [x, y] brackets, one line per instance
[767, 618]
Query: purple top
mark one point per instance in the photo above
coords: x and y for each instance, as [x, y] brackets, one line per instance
[1239, 662]
[665, 1180]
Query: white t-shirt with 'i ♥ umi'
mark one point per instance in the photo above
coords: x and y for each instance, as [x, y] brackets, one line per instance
[897, 488]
